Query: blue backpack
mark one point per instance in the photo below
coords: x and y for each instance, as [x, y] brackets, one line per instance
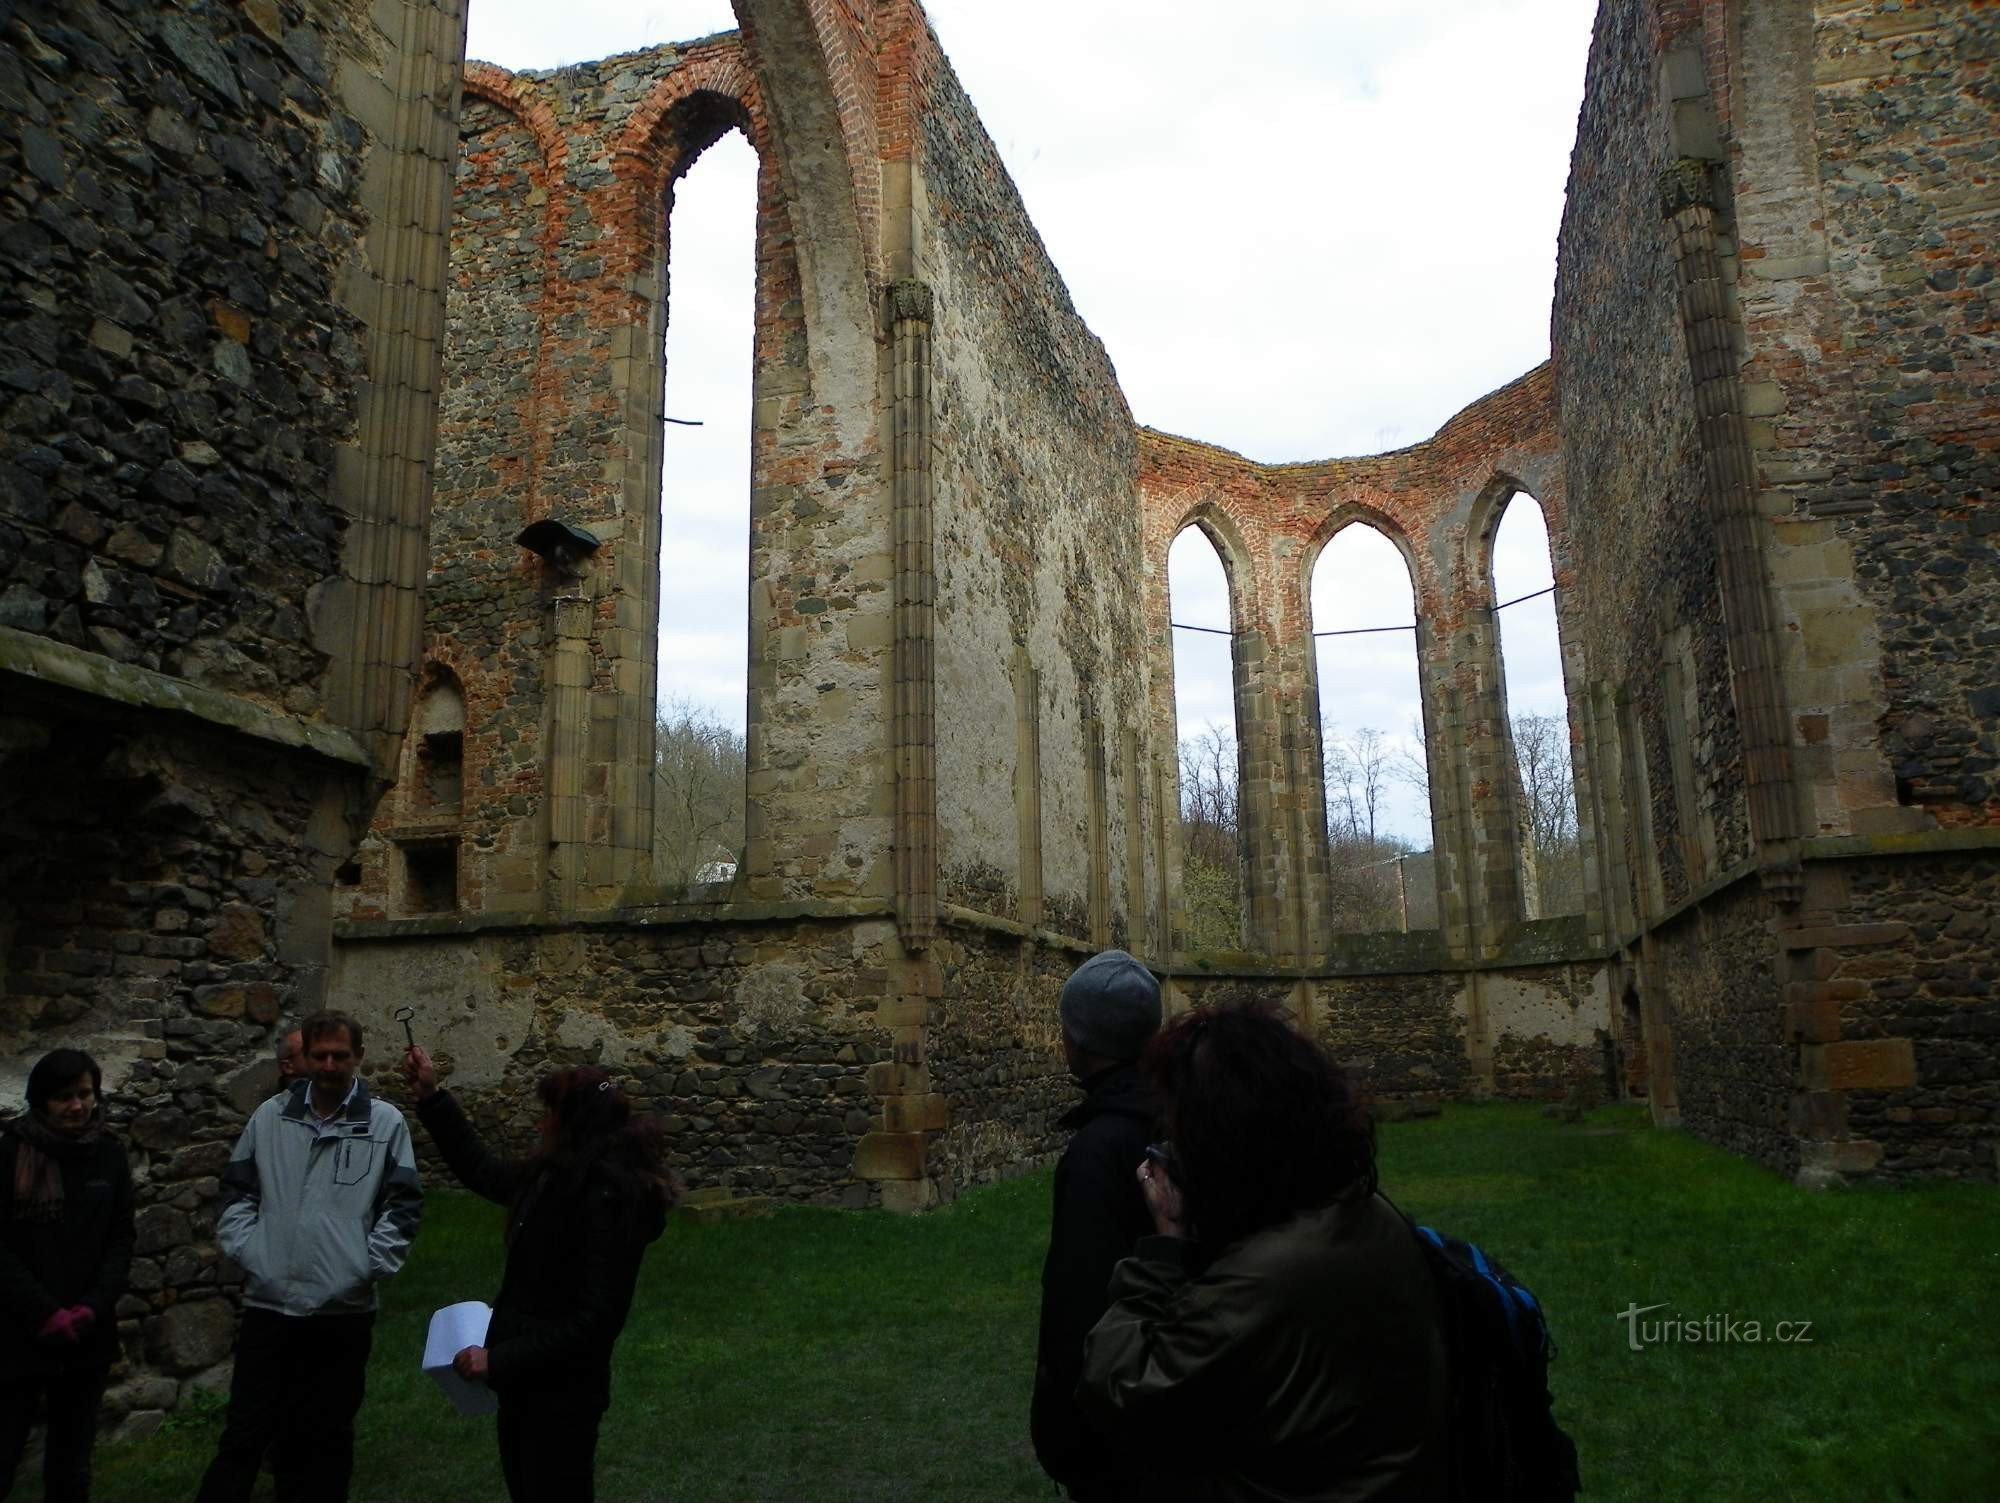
[1506, 1444]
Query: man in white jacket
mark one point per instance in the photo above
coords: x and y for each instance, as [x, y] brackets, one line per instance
[319, 1203]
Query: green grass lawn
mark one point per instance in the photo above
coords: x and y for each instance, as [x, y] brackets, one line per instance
[837, 1355]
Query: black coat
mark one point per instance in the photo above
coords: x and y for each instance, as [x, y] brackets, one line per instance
[573, 1253]
[1306, 1364]
[85, 1258]
[1099, 1214]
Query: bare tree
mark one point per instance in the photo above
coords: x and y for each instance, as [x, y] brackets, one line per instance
[1362, 875]
[698, 796]
[1413, 768]
[1551, 847]
[1211, 864]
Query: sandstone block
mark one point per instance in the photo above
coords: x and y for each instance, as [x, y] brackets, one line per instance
[1864, 1065]
[889, 1156]
[916, 1114]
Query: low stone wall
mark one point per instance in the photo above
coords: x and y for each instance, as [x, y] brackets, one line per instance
[994, 1049]
[1522, 1032]
[754, 1039]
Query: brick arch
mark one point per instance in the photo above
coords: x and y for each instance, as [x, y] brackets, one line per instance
[823, 57]
[687, 112]
[814, 62]
[517, 96]
[1226, 534]
[1483, 526]
[1352, 514]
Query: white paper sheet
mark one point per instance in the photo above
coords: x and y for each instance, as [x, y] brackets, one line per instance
[453, 1329]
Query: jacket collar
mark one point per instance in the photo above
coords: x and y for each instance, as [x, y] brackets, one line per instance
[1119, 1091]
[298, 1107]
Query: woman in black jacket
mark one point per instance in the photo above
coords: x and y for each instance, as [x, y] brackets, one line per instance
[65, 1254]
[1279, 1339]
[580, 1214]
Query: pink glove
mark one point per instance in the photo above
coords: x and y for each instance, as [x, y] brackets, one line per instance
[60, 1326]
[81, 1319]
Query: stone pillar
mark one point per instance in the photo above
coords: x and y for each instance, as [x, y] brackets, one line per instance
[1688, 199]
[913, 739]
[1137, 936]
[565, 738]
[1260, 788]
[1168, 920]
[370, 621]
[1100, 832]
[1028, 787]
[1479, 885]
[1611, 827]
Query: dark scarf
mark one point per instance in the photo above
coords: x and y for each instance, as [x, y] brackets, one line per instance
[38, 1186]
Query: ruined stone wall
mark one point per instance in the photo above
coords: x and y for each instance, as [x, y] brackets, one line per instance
[1718, 974]
[1894, 1002]
[1408, 1030]
[222, 230]
[1038, 559]
[558, 307]
[1864, 145]
[1770, 337]
[1647, 598]
[994, 1048]
[177, 367]
[754, 1036]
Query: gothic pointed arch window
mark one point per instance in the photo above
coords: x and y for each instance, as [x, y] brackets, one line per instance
[1375, 768]
[702, 686]
[1538, 719]
[1200, 603]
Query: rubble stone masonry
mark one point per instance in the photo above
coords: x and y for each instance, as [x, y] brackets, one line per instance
[305, 321]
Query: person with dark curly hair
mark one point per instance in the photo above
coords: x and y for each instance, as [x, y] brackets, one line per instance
[1278, 1338]
[65, 1253]
[580, 1214]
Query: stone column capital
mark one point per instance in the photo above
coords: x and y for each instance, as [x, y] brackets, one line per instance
[1688, 184]
[911, 299]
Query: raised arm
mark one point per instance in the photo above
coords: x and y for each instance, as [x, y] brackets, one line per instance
[487, 1174]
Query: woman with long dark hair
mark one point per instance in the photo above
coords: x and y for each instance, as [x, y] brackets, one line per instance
[65, 1255]
[1279, 1337]
[580, 1215]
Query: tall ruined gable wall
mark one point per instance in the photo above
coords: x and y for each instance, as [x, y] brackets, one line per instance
[1648, 597]
[557, 305]
[1037, 546]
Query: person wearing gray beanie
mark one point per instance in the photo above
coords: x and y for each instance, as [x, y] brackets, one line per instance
[1110, 1010]
[1110, 1007]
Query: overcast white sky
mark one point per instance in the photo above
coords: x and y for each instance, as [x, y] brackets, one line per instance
[1303, 228]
